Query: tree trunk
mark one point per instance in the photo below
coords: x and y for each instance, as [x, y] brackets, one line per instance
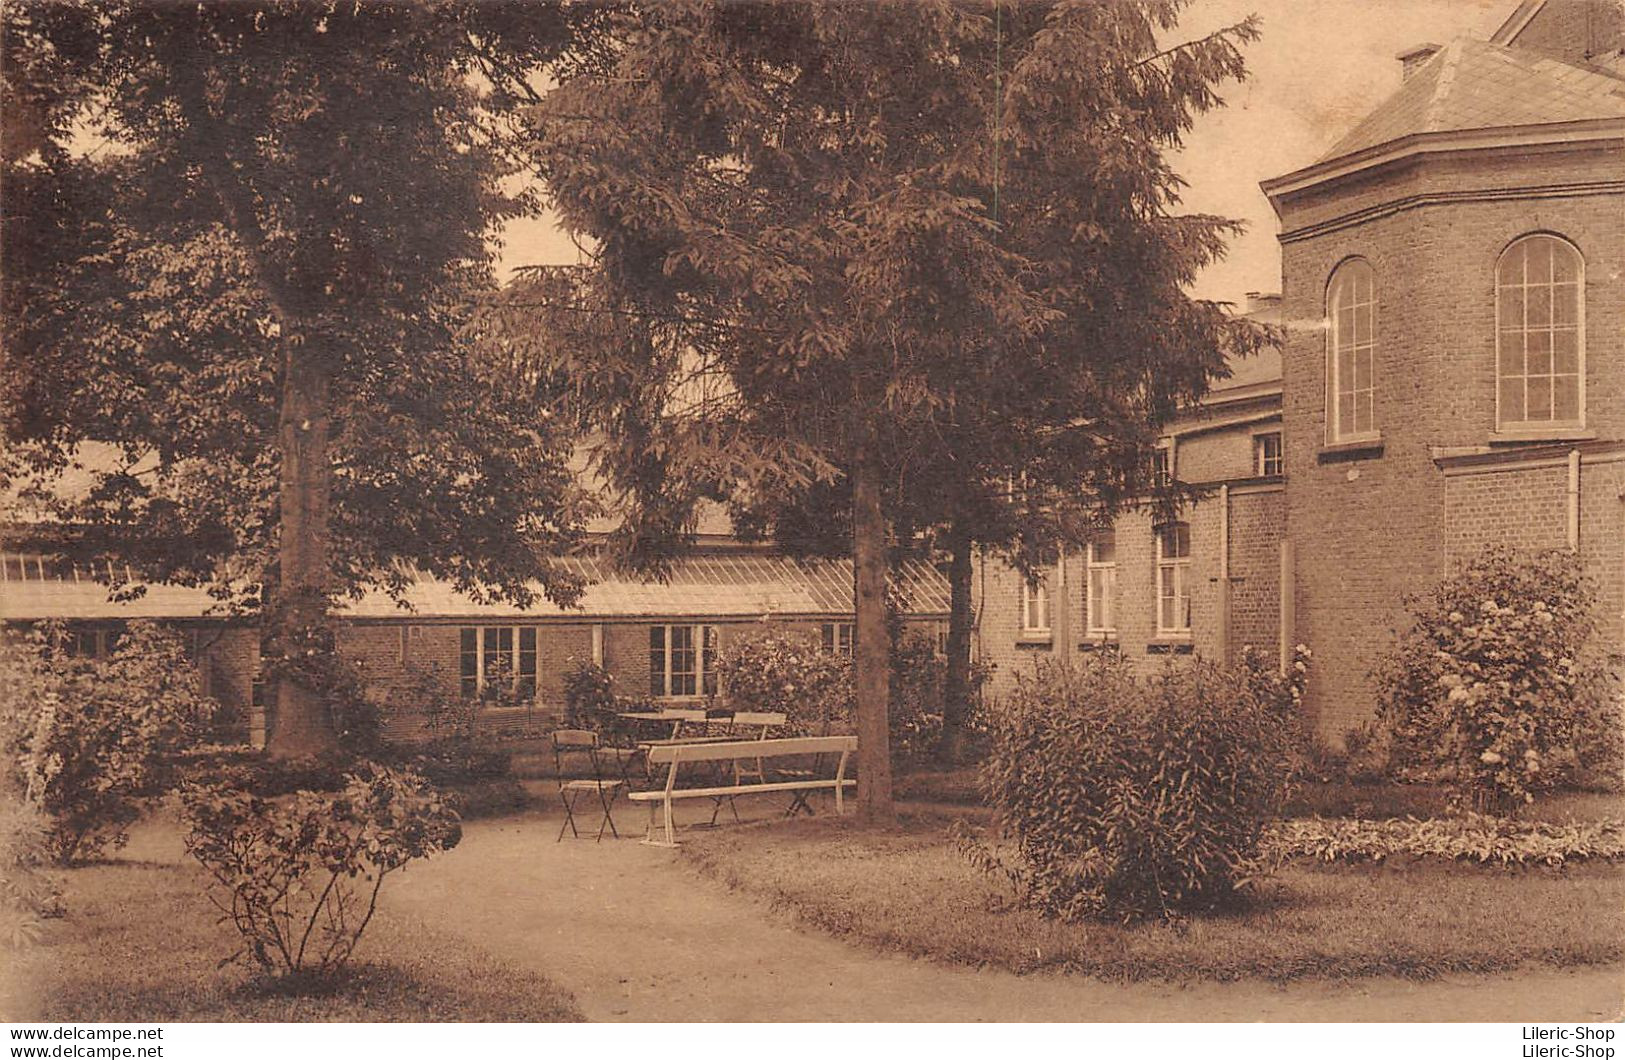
[956, 690]
[873, 636]
[297, 621]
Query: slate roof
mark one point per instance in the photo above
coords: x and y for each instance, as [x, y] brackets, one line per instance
[1472, 85]
[741, 585]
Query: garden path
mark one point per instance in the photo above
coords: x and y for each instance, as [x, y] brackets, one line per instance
[638, 935]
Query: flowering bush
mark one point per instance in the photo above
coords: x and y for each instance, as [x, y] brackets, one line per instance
[1472, 838]
[589, 696]
[88, 740]
[1492, 691]
[1128, 797]
[299, 877]
[785, 672]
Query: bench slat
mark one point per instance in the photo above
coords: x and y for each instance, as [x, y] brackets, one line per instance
[742, 789]
[733, 749]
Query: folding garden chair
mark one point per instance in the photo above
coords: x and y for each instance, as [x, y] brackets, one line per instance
[575, 746]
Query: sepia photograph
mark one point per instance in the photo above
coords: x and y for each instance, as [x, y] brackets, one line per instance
[741, 512]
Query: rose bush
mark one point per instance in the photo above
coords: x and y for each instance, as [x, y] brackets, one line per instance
[299, 877]
[1494, 689]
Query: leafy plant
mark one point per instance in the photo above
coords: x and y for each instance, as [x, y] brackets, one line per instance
[589, 695]
[785, 672]
[89, 740]
[299, 878]
[1471, 838]
[1493, 690]
[28, 890]
[1126, 797]
[422, 691]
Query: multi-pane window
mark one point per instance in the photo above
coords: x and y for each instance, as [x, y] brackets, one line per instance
[493, 658]
[1352, 389]
[1162, 467]
[837, 637]
[682, 660]
[1173, 579]
[1101, 584]
[1034, 607]
[1540, 347]
[1267, 458]
[91, 643]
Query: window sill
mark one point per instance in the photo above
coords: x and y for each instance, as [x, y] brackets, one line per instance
[1170, 646]
[1036, 641]
[1528, 435]
[1362, 448]
[1100, 641]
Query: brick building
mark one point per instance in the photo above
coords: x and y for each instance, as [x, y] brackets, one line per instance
[656, 638]
[1208, 582]
[1453, 373]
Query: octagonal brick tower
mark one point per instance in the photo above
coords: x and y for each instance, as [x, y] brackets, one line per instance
[1453, 285]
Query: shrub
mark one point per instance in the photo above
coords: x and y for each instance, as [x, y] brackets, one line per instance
[28, 890]
[88, 740]
[254, 772]
[787, 673]
[589, 696]
[1473, 838]
[1491, 690]
[299, 878]
[1129, 797]
[421, 691]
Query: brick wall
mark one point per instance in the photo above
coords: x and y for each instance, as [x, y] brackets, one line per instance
[1256, 521]
[1526, 507]
[1576, 30]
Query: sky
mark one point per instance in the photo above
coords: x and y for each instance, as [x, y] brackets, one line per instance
[1320, 66]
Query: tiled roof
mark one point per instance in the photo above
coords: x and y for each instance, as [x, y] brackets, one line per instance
[1474, 85]
[725, 585]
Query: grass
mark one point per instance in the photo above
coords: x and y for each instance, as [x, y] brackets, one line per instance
[957, 786]
[140, 944]
[909, 892]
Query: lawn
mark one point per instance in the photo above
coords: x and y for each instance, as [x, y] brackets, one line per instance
[140, 944]
[909, 892]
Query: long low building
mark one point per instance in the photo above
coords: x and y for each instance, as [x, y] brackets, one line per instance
[655, 638]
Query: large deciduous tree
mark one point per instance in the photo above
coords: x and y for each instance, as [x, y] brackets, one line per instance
[240, 241]
[904, 248]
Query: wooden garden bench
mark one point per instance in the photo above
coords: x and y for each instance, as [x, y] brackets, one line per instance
[677, 755]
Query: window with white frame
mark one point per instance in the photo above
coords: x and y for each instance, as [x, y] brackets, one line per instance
[1267, 454]
[1540, 334]
[1034, 608]
[1100, 561]
[1351, 389]
[1173, 579]
[497, 658]
[682, 661]
[837, 637]
[1162, 467]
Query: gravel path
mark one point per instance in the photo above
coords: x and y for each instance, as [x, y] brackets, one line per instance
[639, 936]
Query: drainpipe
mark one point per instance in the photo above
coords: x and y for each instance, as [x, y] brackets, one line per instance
[1223, 636]
[1574, 500]
[1059, 611]
[598, 644]
[1289, 615]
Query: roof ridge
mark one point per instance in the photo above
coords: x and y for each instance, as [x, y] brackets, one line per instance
[1450, 60]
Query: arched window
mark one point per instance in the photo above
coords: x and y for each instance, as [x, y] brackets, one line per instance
[1540, 338]
[1351, 383]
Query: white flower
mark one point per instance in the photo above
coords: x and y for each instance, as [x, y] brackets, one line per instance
[1456, 616]
[1490, 757]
